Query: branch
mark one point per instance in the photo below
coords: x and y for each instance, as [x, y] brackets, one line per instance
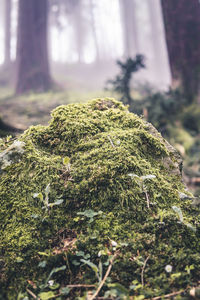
[142, 273]
[147, 198]
[111, 141]
[168, 295]
[32, 294]
[80, 285]
[105, 277]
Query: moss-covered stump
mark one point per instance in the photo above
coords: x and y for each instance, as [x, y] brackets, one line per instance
[97, 182]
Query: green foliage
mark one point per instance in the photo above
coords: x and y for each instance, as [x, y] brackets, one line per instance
[121, 84]
[163, 108]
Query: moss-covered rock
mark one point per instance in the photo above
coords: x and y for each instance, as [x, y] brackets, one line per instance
[97, 180]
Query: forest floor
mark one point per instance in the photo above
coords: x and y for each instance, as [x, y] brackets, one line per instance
[32, 109]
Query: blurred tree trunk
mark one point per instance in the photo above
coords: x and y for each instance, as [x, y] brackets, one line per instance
[128, 10]
[8, 8]
[182, 26]
[78, 28]
[32, 55]
[93, 27]
[153, 9]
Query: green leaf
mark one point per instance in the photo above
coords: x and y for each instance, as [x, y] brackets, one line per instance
[133, 175]
[19, 259]
[47, 189]
[66, 160]
[55, 270]
[64, 291]
[176, 275]
[75, 263]
[80, 253]
[190, 226]
[47, 295]
[55, 286]
[43, 253]
[35, 216]
[179, 212]
[89, 213]
[42, 264]
[120, 288]
[38, 195]
[58, 202]
[148, 177]
[91, 265]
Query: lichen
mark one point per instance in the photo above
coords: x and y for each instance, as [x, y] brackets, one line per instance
[98, 157]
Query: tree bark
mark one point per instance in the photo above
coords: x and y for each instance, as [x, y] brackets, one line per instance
[8, 8]
[32, 54]
[182, 26]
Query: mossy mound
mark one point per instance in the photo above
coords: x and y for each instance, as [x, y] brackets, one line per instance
[98, 181]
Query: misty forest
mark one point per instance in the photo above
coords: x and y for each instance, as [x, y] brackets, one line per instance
[99, 149]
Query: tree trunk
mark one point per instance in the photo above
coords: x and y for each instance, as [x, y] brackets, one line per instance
[156, 36]
[182, 26]
[8, 8]
[131, 44]
[79, 29]
[32, 55]
[93, 27]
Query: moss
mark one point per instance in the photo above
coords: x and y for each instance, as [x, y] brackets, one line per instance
[97, 173]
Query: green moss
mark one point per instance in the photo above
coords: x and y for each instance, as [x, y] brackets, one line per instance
[95, 156]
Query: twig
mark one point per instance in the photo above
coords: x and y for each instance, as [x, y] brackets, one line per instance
[168, 295]
[70, 272]
[147, 198]
[105, 277]
[80, 285]
[111, 141]
[142, 273]
[32, 294]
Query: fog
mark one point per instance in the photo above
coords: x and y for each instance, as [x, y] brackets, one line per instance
[90, 35]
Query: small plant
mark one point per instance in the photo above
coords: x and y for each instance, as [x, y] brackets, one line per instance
[50, 288]
[181, 220]
[121, 83]
[90, 214]
[45, 200]
[141, 182]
